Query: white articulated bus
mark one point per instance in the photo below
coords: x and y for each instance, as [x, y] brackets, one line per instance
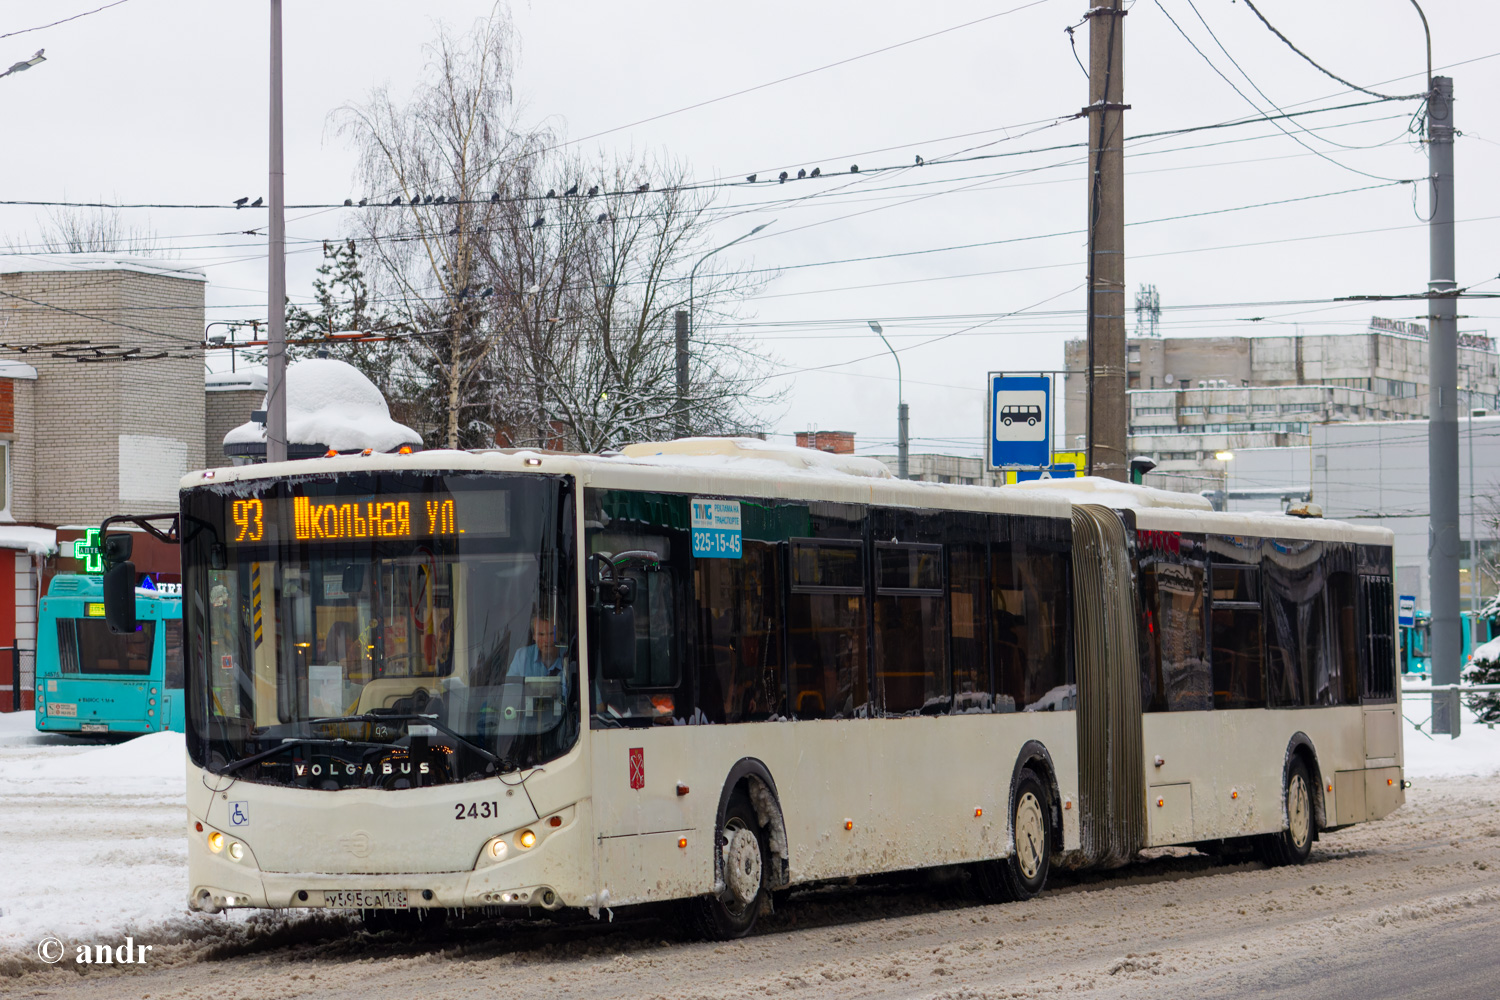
[709, 670]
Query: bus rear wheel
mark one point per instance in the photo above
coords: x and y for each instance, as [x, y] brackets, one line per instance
[1292, 845]
[1022, 875]
[744, 864]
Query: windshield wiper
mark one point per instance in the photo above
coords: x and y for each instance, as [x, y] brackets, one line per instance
[288, 741]
[504, 763]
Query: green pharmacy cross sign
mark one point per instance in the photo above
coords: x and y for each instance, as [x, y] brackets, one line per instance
[88, 551]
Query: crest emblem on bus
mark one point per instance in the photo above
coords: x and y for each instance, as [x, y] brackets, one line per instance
[637, 767]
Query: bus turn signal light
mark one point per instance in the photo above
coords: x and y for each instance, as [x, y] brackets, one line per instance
[978, 812]
[216, 841]
[1160, 803]
[526, 839]
[848, 824]
[1234, 795]
[681, 841]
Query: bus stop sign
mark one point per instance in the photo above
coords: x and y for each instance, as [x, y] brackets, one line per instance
[1020, 421]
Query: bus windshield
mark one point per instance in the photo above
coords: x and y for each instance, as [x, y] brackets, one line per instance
[379, 629]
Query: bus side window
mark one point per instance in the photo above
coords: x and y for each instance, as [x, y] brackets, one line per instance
[172, 666]
[644, 536]
[910, 613]
[1239, 675]
[1030, 607]
[1343, 624]
[739, 633]
[826, 622]
[968, 593]
[1298, 671]
[1181, 617]
[1378, 670]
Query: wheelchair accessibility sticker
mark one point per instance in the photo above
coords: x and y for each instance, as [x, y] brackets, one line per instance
[239, 813]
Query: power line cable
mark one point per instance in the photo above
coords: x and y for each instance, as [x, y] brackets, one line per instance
[1233, 86]
[40, 27]
[1329, 73]
[795, 76]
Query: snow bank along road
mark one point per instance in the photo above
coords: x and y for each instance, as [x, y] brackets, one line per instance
[1407, 907]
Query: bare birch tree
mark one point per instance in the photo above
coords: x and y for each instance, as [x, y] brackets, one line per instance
[97, 230]
[535, 291]
[442, 163]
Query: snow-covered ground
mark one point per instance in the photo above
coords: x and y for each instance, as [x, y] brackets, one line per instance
[93, 838]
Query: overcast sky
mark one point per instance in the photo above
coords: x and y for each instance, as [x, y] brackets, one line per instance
[165, 101]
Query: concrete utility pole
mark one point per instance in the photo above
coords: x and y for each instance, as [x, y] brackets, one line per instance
[1442, 402]
[276, 285]
[1108, 416]
[682, 373]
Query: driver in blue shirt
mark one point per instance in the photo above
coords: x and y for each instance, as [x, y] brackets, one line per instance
[544, 657]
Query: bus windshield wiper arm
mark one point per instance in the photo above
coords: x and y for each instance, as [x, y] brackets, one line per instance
[505, 763]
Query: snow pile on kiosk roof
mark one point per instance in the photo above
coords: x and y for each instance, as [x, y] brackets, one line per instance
[331, 403]
[707, 450]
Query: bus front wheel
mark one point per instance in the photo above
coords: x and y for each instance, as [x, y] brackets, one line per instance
[744, 863]
[1022, 875]
[1293, 844]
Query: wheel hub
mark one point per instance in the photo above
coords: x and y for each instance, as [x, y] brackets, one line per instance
[1031, 835]
[742, 864]
[1298, 813]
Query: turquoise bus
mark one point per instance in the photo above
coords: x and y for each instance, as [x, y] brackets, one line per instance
[89, 680]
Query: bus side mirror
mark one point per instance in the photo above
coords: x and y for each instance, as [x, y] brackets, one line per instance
[119, 598]
[614, 642]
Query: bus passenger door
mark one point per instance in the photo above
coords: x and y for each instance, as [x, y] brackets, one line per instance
[638, 739]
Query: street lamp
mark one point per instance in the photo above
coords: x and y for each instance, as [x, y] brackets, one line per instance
[20, 66]
[903, 469]
[685, 331]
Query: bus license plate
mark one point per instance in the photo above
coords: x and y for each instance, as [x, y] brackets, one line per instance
[94, 727]
[366, 899]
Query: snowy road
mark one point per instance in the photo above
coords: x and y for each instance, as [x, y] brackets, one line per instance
[1395, 908]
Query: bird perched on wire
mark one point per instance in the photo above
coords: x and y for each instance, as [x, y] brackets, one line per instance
[494, 197]
[427, 200]
[552, 192]
[438, 200]
[538, 223]
[487, 292]
[348, 202]
[241, 202]
[854, 168]
[363, 202]
[453, 231]
[396, 200]
[257, 203]
[643, 188]
[816, 172]
[571, 191]
[920, 161]
[801, 173]
[593, 190]
[782, 178]
[750, 179]
[603, 217]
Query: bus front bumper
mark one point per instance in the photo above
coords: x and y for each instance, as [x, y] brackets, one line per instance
[535, 877]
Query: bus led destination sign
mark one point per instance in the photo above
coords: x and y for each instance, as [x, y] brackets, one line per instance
[335, 519]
